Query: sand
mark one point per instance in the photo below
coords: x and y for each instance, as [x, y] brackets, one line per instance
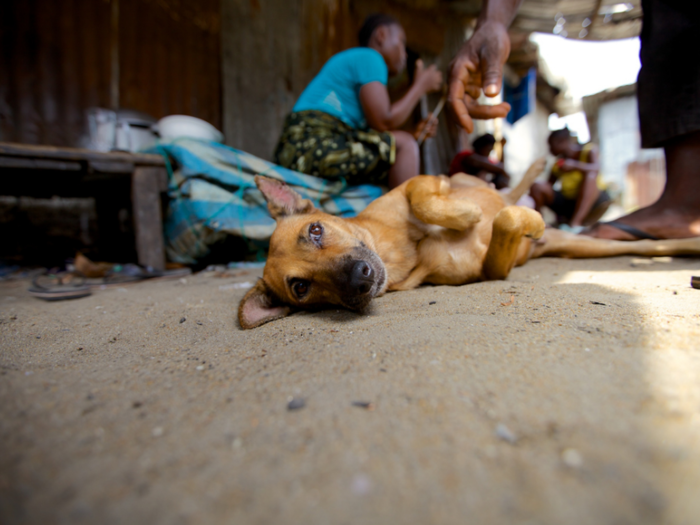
[569, 394]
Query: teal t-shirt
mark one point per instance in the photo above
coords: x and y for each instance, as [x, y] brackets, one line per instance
[336, 89]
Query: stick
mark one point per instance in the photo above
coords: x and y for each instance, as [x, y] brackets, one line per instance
[433, 115]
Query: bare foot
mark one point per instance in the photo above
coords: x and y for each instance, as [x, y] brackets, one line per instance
[657, 220]
[676, 215]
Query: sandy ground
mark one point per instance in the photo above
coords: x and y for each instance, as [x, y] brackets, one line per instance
[575, 402]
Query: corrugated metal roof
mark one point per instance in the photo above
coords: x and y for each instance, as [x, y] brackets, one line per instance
[576, 19]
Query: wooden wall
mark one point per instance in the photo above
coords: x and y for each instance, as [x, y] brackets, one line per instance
[58, 58]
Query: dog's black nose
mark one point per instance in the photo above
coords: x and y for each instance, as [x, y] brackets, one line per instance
[361, 277]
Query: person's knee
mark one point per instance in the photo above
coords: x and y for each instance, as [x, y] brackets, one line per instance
[542, 193]
[405, 143]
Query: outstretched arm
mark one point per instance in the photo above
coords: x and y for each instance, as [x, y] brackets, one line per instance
[381, 114]
[479, 64]
[483, 163]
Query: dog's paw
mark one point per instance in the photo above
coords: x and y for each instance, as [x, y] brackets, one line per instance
[536, 229]
[464, 215]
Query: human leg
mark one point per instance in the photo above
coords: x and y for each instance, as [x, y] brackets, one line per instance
[543, 194]
[676, 215]
[407, 161]
[669, 114]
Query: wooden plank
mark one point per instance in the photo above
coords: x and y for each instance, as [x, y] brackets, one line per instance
[39, 164]
[145, 197]
[52, 152]
[111, 166]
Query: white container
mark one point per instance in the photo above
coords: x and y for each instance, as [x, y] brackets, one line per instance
[177, 126]
[133, 131]
[102, 125]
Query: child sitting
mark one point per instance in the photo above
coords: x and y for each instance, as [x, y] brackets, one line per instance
[583, 198]
[344, 125]
[478, 163]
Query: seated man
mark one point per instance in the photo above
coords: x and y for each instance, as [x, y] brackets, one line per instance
[477, 162]
[582, 199]
[344, 125]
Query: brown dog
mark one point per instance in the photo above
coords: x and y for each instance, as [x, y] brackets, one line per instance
[430, 229]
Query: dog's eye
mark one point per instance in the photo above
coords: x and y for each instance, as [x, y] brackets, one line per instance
[300, 288]
[315, 232]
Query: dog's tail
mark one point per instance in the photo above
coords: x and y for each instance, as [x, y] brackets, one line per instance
[528, 179]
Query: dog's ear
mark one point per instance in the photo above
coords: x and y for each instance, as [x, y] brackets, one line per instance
[281, 199]
[260, 306]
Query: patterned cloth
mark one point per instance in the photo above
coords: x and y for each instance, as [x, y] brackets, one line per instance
[319, 144]
[213, 194]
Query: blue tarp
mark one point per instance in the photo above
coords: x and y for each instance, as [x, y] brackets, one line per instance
[213, 194]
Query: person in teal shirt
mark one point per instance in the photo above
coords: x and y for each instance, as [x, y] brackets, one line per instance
[344, 125]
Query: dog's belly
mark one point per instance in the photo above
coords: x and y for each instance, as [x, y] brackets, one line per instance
[454, 258]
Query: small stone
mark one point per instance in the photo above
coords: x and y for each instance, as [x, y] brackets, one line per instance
[80, 349]
[368, 405]
[504, 433]
[182, 320]
[136, 404]
[572, 458]
[157, 432]
[200, 323]
[200, 367]
[38, 337]
[432, 302]
[296, 403]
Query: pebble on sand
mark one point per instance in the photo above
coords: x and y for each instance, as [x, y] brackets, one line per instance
[506, 434]
[296, 403]
[183, 320]
[572, 458]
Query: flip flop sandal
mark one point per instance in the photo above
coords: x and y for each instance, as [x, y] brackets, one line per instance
[639, 234]
[132, 272]
[59, 287]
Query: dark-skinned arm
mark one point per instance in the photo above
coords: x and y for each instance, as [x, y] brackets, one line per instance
[479, 64]
[381, 114]
[483, 163]
[572, 165]
[588, 193]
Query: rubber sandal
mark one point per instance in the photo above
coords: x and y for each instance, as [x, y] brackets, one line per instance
[130, 273]
[57, 287]
[639, 234]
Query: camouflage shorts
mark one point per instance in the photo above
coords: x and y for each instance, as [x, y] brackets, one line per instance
[316, 143]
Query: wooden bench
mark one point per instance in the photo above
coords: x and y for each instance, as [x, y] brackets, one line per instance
[147, 175]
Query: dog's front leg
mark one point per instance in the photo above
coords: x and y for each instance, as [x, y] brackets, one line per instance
[430, 202]
[510, 225]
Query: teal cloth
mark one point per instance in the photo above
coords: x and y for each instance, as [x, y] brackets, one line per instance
[213, 194]
[336, 89]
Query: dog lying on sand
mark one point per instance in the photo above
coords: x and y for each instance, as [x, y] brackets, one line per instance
[436, 230]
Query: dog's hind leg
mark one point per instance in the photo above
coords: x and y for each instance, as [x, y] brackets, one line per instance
[510, 225]
[414, 279]
[430, 202]
[557, 243]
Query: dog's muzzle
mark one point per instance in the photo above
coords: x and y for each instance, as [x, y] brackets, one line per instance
[363, 278]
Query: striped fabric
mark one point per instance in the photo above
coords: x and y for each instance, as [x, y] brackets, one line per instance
[213, 194]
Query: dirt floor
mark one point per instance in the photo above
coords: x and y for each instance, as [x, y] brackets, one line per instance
[569, 394]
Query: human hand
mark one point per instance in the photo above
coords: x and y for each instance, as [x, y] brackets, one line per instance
[566, 165]
[479, 64]
[426, 128]
[428, 79]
